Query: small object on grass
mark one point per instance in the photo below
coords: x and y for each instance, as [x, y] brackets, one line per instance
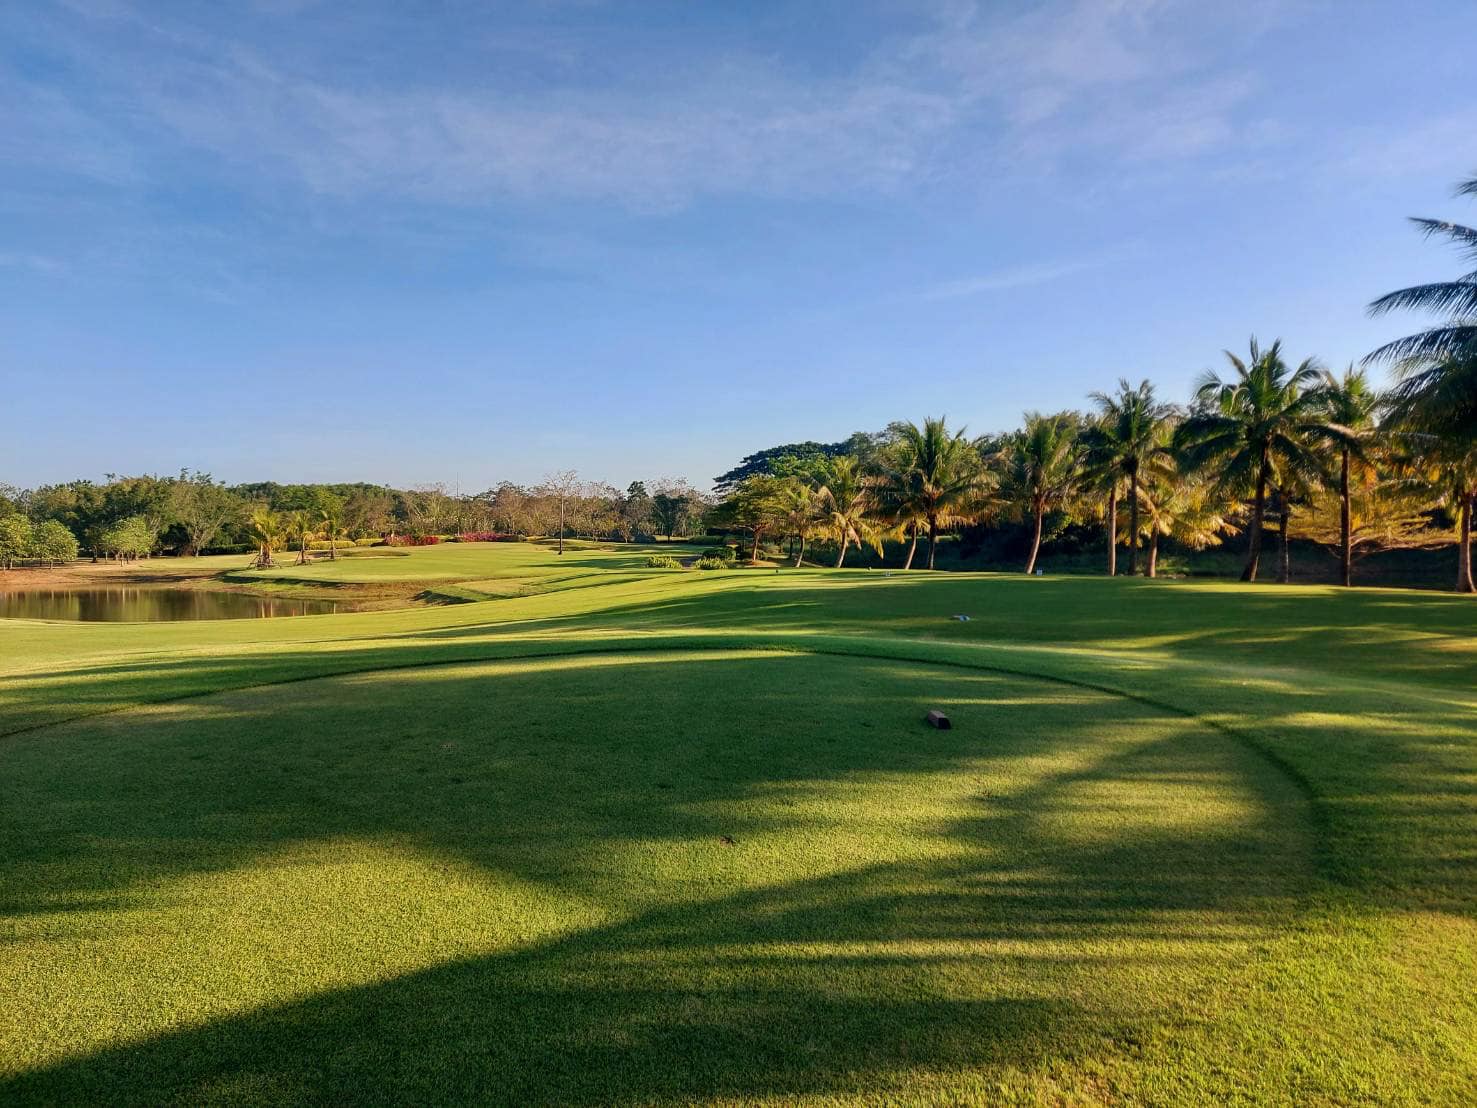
[961, 619]
[726, 840]
[937, 719]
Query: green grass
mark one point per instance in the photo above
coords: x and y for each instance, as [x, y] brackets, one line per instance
[646, 836]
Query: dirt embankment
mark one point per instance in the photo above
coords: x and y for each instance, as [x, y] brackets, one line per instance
[174, 572]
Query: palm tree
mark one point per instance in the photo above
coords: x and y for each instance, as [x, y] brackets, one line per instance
[802, 508]
[1181, 506]
[1439, 364]
[935, 479]
[1040, 469]
[266, 531]
[1256, 429]
[1449, 469]
[1349, 408]
[846, 508]
[332, 522]
[1126, 438]
[300, 527]
[897, 497]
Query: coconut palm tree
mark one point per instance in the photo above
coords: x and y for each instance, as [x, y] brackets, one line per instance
[803, 508]
[265, 527]
[1256, 430]
[1181, 506]
[331, 522]
[1448, 468]
[1350, 406]
[1126, 438]
[1040, 468]
[932, 478]
[846, 508]
[1441, 361]
[300, 527]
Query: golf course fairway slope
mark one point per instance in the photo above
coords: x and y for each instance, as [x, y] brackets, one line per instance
[617, 835]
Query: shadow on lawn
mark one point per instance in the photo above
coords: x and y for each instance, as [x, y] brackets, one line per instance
[1042, 867]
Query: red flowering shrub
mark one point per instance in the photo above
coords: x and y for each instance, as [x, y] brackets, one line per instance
[412, 540]
[484, 536]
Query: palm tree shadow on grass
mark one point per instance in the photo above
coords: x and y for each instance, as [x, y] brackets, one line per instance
[999, 952]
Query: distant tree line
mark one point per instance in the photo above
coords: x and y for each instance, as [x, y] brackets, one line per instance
[191, 513]
[1294, 450]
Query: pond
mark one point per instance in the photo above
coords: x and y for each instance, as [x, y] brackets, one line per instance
[131, 602]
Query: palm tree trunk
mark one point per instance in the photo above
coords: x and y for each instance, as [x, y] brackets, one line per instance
[933, 539]
[800, 551]
[1346, 547]
[1035, 542]
[1113, 532]
[1258, 514]
[912, 546]
[1284, 566]
[755, 556]
[1133, 523]
[1464, 547]
[841, 557]
[1153, 567]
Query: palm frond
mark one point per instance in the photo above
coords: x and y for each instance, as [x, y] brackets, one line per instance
[1444, 297]
[1431, 345]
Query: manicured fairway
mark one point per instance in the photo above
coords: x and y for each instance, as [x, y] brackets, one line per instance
[661, 836]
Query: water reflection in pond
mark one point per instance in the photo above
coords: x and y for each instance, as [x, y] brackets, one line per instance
[126, 602]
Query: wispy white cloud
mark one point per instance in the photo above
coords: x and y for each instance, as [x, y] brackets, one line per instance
[1128, 79]
[38, 263]
[1038, 273]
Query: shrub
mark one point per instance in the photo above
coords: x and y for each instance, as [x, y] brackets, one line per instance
[662, 561]
[368, 540]
[713, 563]
[413, 540]
[483, 536]
[726, 554]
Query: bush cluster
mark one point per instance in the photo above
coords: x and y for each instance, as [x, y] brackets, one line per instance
[413, 540]
[662, 561]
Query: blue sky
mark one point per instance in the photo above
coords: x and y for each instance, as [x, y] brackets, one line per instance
[469, 242]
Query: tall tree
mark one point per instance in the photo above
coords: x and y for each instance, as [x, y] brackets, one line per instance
[758, 505]
[1350, 405]
[1122, 442]
[15, 538]
[1256, 429]
[1183, 507]
[52, 543]
[636, 511]
[331, 523]
[1040, 466]
[846, 507]
[302, 526]
[933, 477]
[1448, 465]
[203, 508]
[1437, 367]
[802, 506]
[561, 489]
[266, 531]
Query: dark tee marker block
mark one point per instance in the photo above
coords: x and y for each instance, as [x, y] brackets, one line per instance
[937, 719]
